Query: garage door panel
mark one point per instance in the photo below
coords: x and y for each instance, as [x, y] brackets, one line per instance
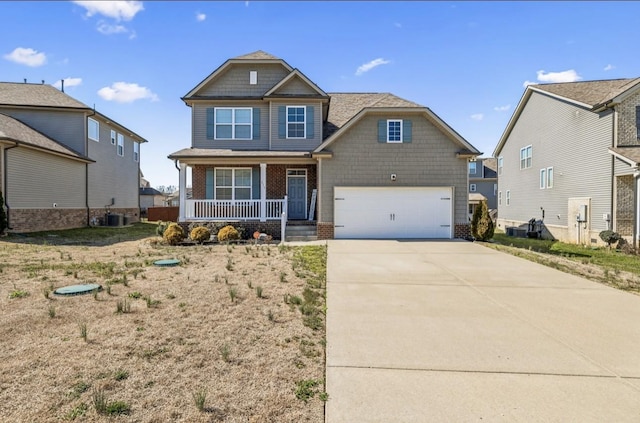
[403, 212]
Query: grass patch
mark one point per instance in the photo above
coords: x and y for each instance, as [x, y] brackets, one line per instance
[306, 389]
[18, 293]
[103, 235]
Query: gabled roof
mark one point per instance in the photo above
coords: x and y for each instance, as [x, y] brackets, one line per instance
[348, 108]
[149, 191]
[591, 95]
[255, 57]
[490, 163]
[40, 95]
[295, 74]
[13, 130]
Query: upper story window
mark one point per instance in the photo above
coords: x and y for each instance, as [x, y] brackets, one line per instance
[525, 157]
[93, 129]
[500, 164]
[233, 184]
[543, 178]
[113, 137]
[136, 151]
[394, 130]
[120, 145]
[296, 121]
[233, 123]
[472, 168]
[549, 177]
[472, 187]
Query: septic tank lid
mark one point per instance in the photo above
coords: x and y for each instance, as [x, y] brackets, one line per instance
[78, 289]
[167, 262]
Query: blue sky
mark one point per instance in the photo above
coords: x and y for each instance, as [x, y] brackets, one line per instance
[467, 61]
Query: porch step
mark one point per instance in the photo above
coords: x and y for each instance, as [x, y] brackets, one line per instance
[301, 232]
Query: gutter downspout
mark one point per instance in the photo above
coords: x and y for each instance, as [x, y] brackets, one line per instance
[614, 142]
[636, 223]
[4, 180]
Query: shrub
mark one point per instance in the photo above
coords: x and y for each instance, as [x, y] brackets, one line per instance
[3, 215]
[200, 234]
[610, 237]
[162, 226]
[228, 233]
[174, 234]
[481, 224]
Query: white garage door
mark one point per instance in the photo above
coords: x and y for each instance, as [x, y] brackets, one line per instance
[398, 212]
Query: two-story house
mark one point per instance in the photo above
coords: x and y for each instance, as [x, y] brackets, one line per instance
[569, 157]
[63, 164]
[266, 140]
[483, 183]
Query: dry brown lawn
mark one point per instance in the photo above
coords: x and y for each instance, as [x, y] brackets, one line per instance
[184, 334]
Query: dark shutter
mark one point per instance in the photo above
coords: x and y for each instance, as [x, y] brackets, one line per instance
[210, 123]
[282, 122]
[208, 186]
[310, 123]
[406, 130]
[382, 130]
[256, 123]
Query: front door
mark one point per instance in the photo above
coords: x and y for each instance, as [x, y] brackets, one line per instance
[297, 194]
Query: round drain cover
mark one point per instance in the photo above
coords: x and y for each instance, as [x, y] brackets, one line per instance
[167, 262]
[78, 289]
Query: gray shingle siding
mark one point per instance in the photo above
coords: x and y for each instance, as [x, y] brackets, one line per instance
[296, 144]
[486, 188]
[360, 160]
[199, 128]
[572, 140]
[296, 87]
[235, 80]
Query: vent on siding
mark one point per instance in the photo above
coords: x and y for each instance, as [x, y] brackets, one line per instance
[253, 77]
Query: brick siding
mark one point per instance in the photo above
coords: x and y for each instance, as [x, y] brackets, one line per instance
[35, 220]
[624, 205]
[627, 131]
[462, 230]
[325, 230]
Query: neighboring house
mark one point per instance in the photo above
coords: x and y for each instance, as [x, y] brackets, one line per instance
[62, 164]
[569, 157]
[150, 197]
[483, 179]
[267, 140]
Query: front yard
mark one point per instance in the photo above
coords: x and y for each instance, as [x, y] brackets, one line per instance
[235, 333]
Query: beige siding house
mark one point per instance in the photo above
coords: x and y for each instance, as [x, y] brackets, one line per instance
[569, 158]
[271, 148]
[62, 164]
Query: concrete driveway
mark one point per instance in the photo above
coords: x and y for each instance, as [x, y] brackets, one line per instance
[455, 332]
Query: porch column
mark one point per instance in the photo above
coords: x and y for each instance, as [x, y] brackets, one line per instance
[636, 240]
[182, 186]
[263, 192]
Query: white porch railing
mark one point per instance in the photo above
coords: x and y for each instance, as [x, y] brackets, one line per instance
[233, 209]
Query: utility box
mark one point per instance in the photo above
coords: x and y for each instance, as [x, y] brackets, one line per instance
[582, 213]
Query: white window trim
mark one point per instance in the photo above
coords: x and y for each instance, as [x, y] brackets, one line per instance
[526, 162]
[495, 189]
[500, 165]
[253, 77]
[98, 129]
[233, 182]
[393, 141]
[233, 123]
[113, 137]
[550, 177]
[508, 198]
[472, 187]
[499, 198]
[136, 151]
[543, 178]
[120, 147]
[475, 168]
[304, 123]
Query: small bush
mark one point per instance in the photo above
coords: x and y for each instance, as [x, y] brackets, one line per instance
[200, 234]
[162, 226]
[228, 233]
[610, 237]
[3, 215]
[200, 398]
[174, 234]
[482, 227]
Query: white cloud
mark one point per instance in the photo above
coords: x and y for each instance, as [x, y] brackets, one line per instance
[108, 29]
[27, 56]
[370, 65]
[609, 67]
[397, 24]
[478, 117]
[200, 17]
[502, 108]
[118, 10]
[124, 92]
[68, 82]
[564, 76]
[527, 83]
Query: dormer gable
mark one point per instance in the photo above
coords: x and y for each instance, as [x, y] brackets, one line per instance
[296, 84]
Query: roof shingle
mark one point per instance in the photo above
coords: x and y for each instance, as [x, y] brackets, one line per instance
[17, 94]
[257, 55]
[589, 92]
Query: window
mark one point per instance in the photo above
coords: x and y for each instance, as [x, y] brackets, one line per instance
[543, 178]
[296, 122]
[495, 189]
[233, 123]
[136, 151]
[394, 130]
[233, 184]
[499, 198]
[253, 77]
[93, 128]
[525, 157]
[508, 199]
[120, 145]
[472, 187]
[549, 177]
[500, 163]
[472, 168]
[113, 137]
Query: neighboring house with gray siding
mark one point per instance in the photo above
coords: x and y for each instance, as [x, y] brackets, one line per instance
[63, 164]
[267, 141]
[570, 157]
[483, 183]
